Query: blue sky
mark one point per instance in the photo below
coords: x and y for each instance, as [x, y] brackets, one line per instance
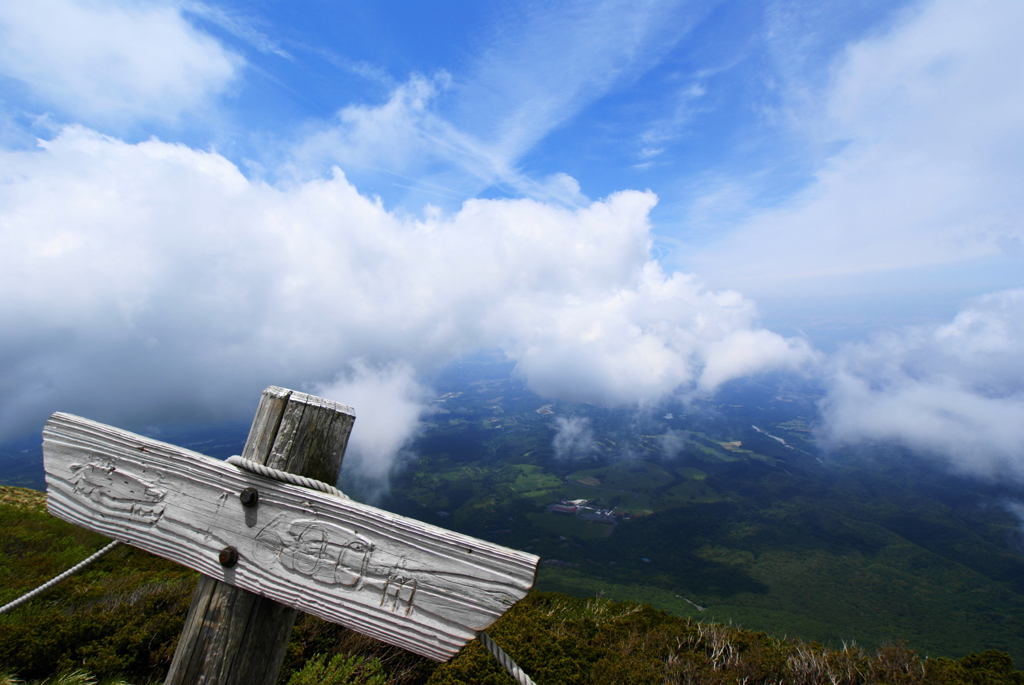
[715, 106]
[632, 200]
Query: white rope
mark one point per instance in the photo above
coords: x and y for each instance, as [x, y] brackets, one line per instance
[277, 474]
[64, 576]
[504, 659]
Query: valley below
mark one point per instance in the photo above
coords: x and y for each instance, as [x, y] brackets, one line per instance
[724, 509]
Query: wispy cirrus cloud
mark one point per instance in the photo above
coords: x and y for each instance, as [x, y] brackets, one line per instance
[238, 26]
[924, 122]
[553, 60]
[466, 132]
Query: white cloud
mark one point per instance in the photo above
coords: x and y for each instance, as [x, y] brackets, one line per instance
[672, 442]
[929, 121]
[642, 339]
[390, 404]
[574, 437]
[954, 389]
[112, 62]
[140, 283]
[403, 135]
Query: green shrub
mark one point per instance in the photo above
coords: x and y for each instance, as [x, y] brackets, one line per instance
[991, 667]
[340, 670]
[312, 637]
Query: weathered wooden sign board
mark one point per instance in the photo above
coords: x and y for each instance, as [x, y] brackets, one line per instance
[417, 586]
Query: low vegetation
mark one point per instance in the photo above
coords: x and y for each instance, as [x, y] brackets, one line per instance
[118, 622]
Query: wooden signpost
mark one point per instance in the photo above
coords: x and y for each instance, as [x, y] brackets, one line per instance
[268, 548]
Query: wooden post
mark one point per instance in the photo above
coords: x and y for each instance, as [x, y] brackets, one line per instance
[233, 636]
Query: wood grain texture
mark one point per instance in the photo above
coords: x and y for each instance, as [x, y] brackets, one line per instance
[232, 636]
[402, 581]
[311, 437]
[265, 424]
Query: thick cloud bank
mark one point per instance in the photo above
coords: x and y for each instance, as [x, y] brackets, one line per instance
[144, 282]
[954, 389]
